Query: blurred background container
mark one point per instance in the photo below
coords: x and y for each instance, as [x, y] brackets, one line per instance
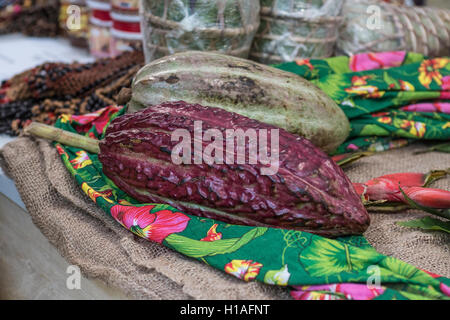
[226, 26]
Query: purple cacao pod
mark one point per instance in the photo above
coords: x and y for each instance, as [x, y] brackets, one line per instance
[308, 192]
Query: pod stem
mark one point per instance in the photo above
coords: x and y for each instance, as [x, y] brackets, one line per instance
[65, 137]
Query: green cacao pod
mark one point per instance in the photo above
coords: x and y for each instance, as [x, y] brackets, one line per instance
[254, 90]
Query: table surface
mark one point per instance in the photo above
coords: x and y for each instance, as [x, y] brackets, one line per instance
[31, 267]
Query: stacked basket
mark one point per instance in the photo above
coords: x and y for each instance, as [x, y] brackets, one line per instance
[391, 27]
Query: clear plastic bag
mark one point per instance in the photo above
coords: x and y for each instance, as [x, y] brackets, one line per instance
[292, 29]
[226, 26]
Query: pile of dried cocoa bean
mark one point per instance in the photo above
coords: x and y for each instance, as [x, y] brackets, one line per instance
[51, 89]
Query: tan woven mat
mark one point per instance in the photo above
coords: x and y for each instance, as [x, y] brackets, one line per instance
[103, 249]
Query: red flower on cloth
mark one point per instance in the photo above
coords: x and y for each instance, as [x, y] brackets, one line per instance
[212, 234]
[81, 160]
[305, 62]
[415, 128]
[98, 119]
[61, 150]
[444, 95]
[379, 60]
[434, 275]
[243, 269]
[314, 295]
[152, 226]
[380, 114]
[360, 80]
[429, 70]
[368, 91]
[93, 194]
[446, 83]
[406, 86]
[441, 107]
[337, 291]
[445, 289]
[386, 120]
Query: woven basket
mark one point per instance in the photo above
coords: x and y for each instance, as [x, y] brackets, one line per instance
[423, 30]
[292, 29]
[226, 26]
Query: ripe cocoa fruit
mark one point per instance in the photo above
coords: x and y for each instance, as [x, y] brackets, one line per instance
[309, 192]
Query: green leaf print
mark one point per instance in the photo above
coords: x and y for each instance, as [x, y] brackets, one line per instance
[391, 266]
[373, 129]
[339, 64]
[328, 257]
[392, 83]
[197, 249]
[334, 85]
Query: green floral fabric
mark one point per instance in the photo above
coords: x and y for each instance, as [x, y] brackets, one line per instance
[310, 266]
[390, 98]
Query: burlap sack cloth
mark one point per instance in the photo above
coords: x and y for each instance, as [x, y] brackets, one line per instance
[103, 249]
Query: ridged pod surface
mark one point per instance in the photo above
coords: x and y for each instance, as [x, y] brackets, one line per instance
[254, 90]
[309, 191]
